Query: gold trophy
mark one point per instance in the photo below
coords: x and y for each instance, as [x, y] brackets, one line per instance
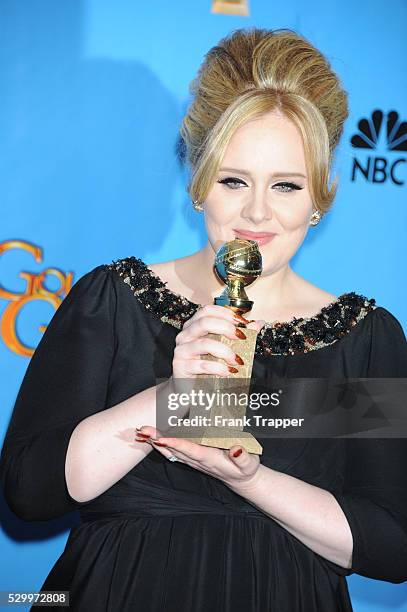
[237, 263]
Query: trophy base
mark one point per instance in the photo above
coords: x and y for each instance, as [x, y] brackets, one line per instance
[213, 436]
[242, 438]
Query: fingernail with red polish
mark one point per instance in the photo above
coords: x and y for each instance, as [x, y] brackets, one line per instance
[240, 318]
[240, 334]
[238, 452]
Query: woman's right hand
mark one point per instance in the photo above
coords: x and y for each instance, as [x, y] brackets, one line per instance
[192, 342]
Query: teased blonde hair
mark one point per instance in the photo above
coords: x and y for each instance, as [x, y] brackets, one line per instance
[254, 71]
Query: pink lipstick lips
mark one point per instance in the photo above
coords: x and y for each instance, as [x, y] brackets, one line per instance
[260, 237]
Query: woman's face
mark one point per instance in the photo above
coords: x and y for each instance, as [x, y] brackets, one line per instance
[262, 186]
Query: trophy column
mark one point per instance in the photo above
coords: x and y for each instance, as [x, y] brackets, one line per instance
[237, 263]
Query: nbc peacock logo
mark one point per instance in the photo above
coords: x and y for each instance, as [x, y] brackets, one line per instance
[385, 134]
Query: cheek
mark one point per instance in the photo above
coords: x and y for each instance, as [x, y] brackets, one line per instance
[285, 247]
[220, 214]
[293, 215]
[218, 230]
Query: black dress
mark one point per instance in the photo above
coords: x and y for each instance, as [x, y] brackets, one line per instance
[167, 537]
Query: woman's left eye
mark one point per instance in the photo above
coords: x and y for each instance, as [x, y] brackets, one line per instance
[288, 187]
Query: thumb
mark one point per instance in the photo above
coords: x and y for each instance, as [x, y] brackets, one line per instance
[149, 430]
[257, 325]
[237, 454]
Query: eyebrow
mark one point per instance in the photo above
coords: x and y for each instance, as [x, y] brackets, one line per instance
[275, 174]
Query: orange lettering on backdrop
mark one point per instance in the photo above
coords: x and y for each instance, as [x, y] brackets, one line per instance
[34, 290]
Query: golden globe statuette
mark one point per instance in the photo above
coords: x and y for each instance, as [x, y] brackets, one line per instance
[237, 263]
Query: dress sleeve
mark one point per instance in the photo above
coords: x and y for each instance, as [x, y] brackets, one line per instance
[66, 381]
[374, 496]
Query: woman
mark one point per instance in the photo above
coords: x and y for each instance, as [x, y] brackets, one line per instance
[169, 524]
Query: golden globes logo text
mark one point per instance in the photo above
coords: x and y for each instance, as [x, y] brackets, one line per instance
[34, 290]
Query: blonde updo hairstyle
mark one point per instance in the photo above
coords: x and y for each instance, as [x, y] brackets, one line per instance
[254, 71]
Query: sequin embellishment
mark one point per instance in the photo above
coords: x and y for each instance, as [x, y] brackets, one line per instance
[299, 335]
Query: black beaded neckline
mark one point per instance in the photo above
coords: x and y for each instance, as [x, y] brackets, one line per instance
[299, 335]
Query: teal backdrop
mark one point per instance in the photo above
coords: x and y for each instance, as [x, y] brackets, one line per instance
[92, 95]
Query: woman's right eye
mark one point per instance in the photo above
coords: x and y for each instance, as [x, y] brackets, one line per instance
[231, 182]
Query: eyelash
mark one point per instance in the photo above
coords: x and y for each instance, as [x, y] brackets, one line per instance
[235, 181]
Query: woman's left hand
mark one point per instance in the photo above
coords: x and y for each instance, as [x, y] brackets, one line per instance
[220, 463]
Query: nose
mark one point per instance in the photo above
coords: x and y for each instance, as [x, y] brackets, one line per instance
[258, 207]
